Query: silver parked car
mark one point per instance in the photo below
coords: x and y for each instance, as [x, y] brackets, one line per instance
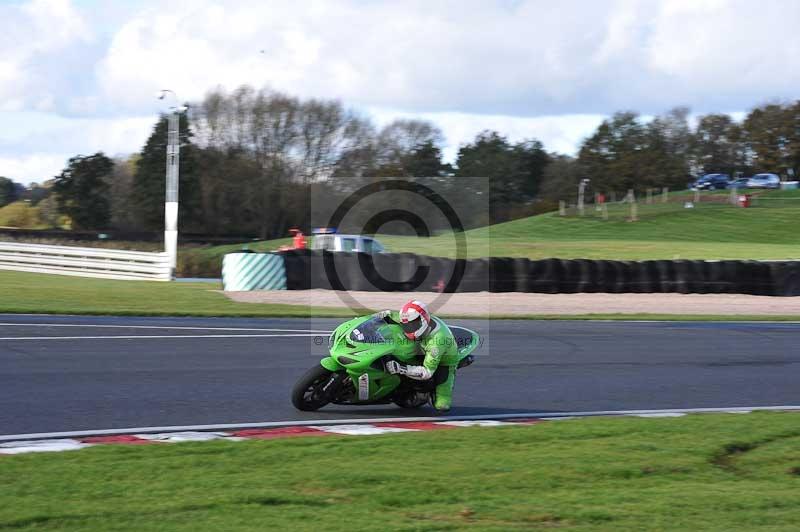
[764, 181]
[328, 240]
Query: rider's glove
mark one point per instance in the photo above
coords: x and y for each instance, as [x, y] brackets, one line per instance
[383, 314]
[420, 373]
[395, 367]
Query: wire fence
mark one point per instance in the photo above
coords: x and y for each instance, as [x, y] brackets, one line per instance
[633, 207]
[774, 201]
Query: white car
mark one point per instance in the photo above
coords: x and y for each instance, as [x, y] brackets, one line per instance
[337, 242]
[764, 181]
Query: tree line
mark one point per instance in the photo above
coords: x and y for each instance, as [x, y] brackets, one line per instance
[252, 159]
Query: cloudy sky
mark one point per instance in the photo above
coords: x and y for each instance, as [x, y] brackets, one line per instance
[78, 76]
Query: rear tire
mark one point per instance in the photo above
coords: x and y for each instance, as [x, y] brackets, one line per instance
[307, 394]
[412, 400]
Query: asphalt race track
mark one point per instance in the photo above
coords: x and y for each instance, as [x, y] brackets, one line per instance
[60, 373]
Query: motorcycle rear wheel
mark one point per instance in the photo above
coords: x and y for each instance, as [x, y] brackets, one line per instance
[307, 394]
[411, 400]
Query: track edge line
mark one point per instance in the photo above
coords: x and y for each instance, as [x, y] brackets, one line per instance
[358, 421]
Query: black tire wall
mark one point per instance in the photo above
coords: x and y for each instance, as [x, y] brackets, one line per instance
[406, 272]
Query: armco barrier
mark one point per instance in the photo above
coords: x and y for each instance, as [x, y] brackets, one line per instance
[253, 271]
[85, 262]
[406, 272]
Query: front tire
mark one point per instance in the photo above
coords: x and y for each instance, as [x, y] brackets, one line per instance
[307, 394]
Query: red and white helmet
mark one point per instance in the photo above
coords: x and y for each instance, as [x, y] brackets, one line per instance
[415, 319]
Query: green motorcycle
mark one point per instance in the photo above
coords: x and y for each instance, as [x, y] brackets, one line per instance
[354, 373]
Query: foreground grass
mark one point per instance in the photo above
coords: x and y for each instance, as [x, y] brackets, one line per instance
[701, 472]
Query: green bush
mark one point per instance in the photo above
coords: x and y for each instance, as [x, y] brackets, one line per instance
[21, 214]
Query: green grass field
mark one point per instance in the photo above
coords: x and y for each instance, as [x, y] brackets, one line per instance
[55, 294]
[722, 472]
[710, 230]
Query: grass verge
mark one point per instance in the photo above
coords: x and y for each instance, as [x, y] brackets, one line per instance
[32, 293]
[699, 472]
[55, 294]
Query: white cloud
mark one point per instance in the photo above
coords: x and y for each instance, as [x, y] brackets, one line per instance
[524, 67]
[527, 58]
[40, 144]
[31, 36]
[34, 167]
[54, 23]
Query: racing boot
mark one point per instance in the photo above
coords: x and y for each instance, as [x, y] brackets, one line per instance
[442, 397]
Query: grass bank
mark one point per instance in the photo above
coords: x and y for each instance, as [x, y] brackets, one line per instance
[711, 229]
[700, 472]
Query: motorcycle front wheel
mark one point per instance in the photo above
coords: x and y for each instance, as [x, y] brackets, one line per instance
[307, 394]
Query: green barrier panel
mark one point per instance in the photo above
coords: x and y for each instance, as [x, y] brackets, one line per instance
[253, 271]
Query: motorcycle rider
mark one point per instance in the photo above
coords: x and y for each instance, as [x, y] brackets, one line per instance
[435, 341]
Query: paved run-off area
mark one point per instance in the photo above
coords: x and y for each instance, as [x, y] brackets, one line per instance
[482, 304]
[61, 373]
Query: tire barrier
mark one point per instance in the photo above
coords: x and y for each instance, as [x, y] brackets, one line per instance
[253, 271]
[476, 275]
[298, 269]
[786, 278]
[406, 272]
[501, 275]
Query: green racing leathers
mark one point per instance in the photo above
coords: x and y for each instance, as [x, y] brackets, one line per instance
[438, 346]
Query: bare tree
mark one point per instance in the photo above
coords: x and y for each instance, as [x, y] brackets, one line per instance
[401, 137]
[291, 144]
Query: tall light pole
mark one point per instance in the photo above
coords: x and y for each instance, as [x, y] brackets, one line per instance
[173, 163]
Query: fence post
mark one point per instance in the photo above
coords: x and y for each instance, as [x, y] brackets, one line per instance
[605, 211]
[562, 208]
[634, 209]
[697, 195]
[581, 192]
[649, 196]
[733, 198]
[613, 196]
[664, 194]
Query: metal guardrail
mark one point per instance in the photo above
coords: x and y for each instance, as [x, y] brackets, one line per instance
[85, 262]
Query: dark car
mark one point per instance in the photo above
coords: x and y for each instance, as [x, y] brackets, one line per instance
[712, 182]
[739, 183]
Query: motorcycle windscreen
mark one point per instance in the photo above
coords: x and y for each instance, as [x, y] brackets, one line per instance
[368, 332]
